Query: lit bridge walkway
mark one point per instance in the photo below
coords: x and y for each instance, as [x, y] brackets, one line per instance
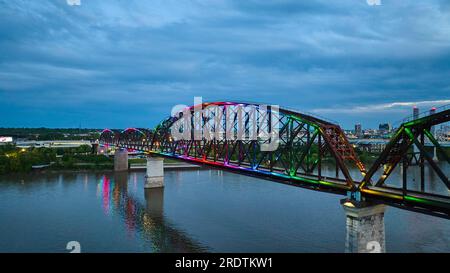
[220, 135]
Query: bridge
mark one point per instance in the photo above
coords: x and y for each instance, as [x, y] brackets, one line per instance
[291, 147]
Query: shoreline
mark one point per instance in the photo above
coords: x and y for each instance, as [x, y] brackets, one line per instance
[132, 168]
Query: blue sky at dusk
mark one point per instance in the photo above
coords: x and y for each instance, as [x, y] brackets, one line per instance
[124, 63]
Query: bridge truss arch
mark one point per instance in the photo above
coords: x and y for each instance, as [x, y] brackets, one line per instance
[279, 144]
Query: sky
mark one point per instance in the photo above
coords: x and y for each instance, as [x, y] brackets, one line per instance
[126, 63]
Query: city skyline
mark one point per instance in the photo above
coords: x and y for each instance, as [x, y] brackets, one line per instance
[115, 64]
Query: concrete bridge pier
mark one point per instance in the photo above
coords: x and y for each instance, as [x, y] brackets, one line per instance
[95, 147]
[120, 160]
[155, 173]
[365, 228]
[435, 158]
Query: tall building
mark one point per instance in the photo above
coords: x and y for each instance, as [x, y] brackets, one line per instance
[415, 112]
[358, 130]
[433, 111]
[433, 128]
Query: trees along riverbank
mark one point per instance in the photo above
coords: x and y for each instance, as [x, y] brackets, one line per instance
[14, 160]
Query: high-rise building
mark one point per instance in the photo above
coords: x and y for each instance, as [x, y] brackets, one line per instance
[433, 128]
[415, 112]
[433, 111]
[358, 130]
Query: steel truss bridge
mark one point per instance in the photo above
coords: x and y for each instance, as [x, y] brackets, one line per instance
[306, 148]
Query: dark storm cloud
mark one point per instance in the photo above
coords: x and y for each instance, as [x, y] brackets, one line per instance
[126, 63]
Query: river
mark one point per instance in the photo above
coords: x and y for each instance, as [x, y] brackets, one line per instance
[198, 211]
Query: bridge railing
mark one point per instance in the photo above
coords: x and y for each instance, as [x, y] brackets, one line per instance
[421, 115]
[314, 115]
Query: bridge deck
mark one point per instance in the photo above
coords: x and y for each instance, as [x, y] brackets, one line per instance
[427, 203]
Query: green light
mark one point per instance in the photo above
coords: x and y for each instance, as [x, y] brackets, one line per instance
[304, 121]
[423, 201]
[418, 121]
[409, 133]
[305, 179]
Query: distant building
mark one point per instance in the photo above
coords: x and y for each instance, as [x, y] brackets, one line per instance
[350, 134]
[6, 140]
[415, 112]
[370, 133]
[385, 128]
[370, 145]
[443, 133]
[358, 130]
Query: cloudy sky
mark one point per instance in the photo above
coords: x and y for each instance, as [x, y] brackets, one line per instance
[121, 63]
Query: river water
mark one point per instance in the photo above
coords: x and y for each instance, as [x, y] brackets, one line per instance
[198, 211]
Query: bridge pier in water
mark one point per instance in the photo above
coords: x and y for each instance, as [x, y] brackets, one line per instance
[155, 173]
[121, 160]
[365, 228]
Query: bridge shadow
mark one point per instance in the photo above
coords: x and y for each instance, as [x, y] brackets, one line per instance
[145, 219]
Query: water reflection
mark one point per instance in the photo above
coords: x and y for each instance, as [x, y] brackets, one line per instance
[226, 212]
[147, 220]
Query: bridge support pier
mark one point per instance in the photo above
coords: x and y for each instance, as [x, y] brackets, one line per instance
[435, 158]
[120, 160]
[365, 227]
[95, 147]
[155, 173]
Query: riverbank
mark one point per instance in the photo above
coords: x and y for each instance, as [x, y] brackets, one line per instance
[50, 171]
[167, 166]
[20, 160]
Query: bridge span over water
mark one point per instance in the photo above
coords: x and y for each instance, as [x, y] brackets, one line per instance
[219, 135]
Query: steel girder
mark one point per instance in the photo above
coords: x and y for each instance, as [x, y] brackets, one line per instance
[396, 152]
[303, 142]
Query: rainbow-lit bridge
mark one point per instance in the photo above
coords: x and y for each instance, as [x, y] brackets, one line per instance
[219, 135]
